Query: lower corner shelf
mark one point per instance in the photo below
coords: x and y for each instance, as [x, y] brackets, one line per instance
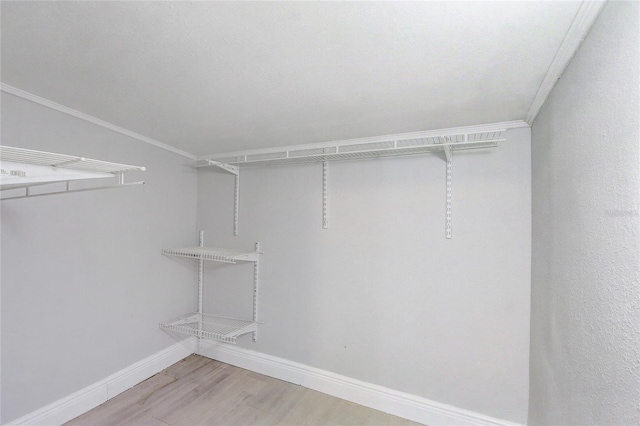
[210, 327]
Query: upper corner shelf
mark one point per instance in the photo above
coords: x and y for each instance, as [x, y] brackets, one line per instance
[408, 144]
[446, 141]
[215, 254]
[24, 168]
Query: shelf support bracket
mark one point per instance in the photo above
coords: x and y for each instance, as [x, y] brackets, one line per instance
[255, 293]
[325, 196]
[236, 204]
[234, 170]
[449, 154]
[224, 166]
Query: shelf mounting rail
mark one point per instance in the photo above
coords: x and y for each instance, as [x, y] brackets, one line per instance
[383, 146]
[234, 170]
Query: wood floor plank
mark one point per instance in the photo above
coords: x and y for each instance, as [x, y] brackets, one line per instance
[201, 391]
[313, 408]
[278, 398]
[122, 405]
[216, 401]
[245, 415]
[349, 413]
[149, 421]
[186, 366]
[180, 393]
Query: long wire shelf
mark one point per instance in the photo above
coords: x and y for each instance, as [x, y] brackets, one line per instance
[445, 141]
[210, 327]
[340, 151]
[214, 254]
[24, 168]
[28, 156]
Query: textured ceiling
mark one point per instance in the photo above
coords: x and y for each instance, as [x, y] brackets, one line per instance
[211, 77]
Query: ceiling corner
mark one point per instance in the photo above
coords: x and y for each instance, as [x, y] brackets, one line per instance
[584, 19]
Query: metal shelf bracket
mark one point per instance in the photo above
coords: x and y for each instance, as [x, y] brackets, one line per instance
[255, 293]
[236, 203]
[234, 170]
[325, 196]
[224, 166]
[449, 154]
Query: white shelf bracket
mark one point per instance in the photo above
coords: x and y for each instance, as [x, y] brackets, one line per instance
[224, 166]
[255, 293]
[325, 196]
[449, 153]
[234, 170]
[236, 204]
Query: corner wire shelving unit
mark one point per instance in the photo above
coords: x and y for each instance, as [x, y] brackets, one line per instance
[212, 327]
[24, 168]
[401, 145]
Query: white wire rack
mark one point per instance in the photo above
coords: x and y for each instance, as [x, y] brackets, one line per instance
[354, 150]
[213, 254]
[205, 326]
[210, 327]
[21, 155]
[383, 146]
[23, 168]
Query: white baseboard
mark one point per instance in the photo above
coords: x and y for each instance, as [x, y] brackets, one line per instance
[400, 404]
[80, 402]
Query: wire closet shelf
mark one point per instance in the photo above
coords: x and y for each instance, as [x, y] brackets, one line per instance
[446, 142]
[210, 327]
[24, 168]
[27, 156]
[340, 151]
[207, 326]
[213, 254]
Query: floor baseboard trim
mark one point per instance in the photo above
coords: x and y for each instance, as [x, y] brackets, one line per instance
[80, 402]
[400, 404]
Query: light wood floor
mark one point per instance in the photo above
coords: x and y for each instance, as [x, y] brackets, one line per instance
[201, 391]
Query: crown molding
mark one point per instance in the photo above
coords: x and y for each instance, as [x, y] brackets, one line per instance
[490, 127]
[582, 22]
[91, 119]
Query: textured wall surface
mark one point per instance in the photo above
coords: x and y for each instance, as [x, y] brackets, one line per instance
[83, 282]
[585, 319]
[382, 296]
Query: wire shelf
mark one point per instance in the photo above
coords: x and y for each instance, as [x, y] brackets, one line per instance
[354, 150]
[210, 327]
[214, 254]
[22, 169]
[41, 158]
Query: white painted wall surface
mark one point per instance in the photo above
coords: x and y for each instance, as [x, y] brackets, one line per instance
[83, 282]
[585, 323]
[381, 296]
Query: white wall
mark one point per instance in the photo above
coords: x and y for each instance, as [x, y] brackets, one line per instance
[382, 296]
[585, 324]
[83, 282]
